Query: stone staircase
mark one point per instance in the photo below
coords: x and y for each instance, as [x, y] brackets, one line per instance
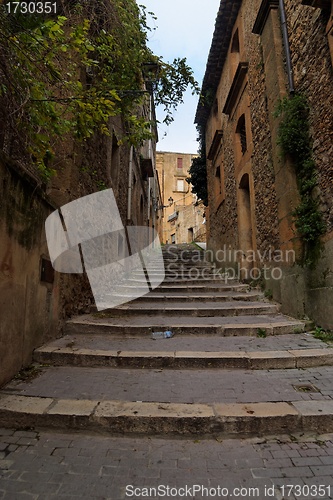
[235, 365]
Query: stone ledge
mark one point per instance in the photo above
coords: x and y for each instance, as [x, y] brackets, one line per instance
[232, 420]
[262, 360]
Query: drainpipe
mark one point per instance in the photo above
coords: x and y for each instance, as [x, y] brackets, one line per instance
[130, 178]
[287, 47]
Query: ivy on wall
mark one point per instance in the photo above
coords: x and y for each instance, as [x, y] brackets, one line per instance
[295, 141]
[198, 170]
[69, 72]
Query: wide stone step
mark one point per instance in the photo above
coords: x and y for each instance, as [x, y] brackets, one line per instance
[215, 286]
[217, 280]
[194, 296]
[170, 287]
[256, 325]
[191, 402]
[193, 309]
[71, 351]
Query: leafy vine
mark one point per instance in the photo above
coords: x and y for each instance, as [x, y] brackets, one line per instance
[69, 73]
[295, 141]
[198, 170]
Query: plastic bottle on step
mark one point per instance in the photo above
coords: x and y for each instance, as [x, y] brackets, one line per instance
[162, 335]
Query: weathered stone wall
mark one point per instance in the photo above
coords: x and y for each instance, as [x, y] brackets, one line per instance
[31, 311]
[272, 187]
[29, 308]
[313, 72]
[224, 230]
[190, 222]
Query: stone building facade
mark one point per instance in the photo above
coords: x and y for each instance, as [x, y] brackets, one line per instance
[181, 215]
[253, 189]
[34, 300]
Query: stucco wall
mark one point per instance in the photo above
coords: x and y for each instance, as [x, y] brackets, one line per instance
[29, 309]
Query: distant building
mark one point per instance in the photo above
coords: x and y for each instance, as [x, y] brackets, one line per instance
[183, 216]
[253, 189]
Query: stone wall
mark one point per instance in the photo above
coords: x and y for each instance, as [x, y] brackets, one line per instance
[252, 193]
[313, 72]
[29, 307]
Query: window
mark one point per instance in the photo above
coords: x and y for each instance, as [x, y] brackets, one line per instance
[235, 42]
[218, 187]
[241, 132]
[234, 53]
[218, 181]
[180, 185]
[179, 164]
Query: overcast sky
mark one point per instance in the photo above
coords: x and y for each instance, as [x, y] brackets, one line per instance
[184, 29]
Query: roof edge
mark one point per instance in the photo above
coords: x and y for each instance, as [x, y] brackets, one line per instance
[225, 20]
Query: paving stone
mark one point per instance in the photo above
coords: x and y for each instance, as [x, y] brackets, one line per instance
[25, 405]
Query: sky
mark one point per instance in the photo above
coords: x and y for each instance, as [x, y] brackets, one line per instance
[184, 28]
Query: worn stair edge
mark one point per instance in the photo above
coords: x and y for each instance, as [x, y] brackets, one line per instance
[132, 282]
[217, 297]
[118, 417]
[232, 329]
[252, 360]
[192, 311]
[169, 288]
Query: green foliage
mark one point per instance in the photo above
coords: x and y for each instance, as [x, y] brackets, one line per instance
[68, 74]
[323, 335]
[295, 141]
[261, 333]
[198, 171]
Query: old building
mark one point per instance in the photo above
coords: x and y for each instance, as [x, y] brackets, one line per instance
[35, 300]
[263, 51]
[182, 216]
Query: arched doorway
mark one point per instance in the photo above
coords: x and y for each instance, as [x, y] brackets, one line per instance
[245, 227]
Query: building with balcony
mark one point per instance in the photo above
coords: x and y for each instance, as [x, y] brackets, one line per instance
[183, 216]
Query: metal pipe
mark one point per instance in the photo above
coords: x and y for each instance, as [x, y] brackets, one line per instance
[287, 46]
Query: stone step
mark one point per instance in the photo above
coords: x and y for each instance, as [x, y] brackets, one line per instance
[215, 286]
[194, 296]
[178, 264]
[192, 343]
[173, 359]
[256, 325]
[193, 309]
[190, 402]
[167, 287]
[180, 275]
[201, 292]
[216, 280]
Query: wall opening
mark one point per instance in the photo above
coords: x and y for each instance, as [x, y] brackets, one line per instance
[241, 133]
[245, 229]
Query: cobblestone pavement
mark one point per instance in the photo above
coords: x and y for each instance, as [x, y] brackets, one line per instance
[51, 465]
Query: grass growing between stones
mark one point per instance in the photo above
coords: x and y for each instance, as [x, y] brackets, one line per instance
[29, 372]
[324, 335]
